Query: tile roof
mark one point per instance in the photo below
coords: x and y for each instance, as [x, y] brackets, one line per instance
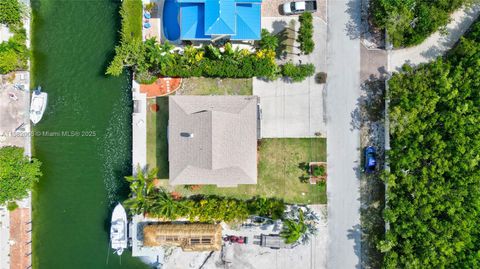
[213, 140]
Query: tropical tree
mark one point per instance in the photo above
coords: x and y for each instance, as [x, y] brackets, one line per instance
[167, 57]
[10, 12]
[141, 188]
[433, 204]
[17, 174]
[293, 230]
[152, 51]
[268, 41]
[409, 22]
[165, 206]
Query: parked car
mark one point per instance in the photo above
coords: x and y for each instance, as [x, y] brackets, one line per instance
[235, 239]
[292, 8]
[370, 160]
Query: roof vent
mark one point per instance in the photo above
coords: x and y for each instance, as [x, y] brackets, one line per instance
[187, 135]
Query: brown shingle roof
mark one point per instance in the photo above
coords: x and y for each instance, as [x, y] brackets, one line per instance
[213, 140]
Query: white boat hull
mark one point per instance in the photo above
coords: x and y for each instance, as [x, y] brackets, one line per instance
[118, 230]
[38, 105]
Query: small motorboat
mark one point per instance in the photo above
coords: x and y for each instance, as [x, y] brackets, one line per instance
[38, 105]
[118, 230]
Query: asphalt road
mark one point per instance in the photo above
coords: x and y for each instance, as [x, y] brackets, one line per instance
[343, 140]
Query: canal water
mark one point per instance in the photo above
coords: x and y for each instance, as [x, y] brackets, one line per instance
[84, 138]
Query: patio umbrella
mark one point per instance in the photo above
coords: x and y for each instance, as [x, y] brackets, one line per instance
[146, 25]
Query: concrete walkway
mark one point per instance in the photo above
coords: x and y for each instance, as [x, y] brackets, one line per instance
[343, 140]
[139, 128]
[437, 44]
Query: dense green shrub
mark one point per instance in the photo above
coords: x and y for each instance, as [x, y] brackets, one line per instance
[410, 22]
[13, 53]
[209, 61]
[11, 206]
[150, 59]
[305, 33]
[130, 51]
[318, 171]
[17, 174]
[433, 197]
[10, 12]
[297, 72]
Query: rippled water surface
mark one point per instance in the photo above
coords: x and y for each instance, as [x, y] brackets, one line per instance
[84, 139]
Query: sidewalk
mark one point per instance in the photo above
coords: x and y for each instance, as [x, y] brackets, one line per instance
[437, 44]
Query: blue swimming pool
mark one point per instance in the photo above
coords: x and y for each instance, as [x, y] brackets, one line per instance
[171, 28]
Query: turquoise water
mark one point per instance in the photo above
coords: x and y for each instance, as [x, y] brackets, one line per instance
[85, 144]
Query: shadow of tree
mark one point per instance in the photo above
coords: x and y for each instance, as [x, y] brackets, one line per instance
[355, 234]
[371, 104]
[354, 27]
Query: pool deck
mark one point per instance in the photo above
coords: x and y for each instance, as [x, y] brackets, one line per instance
[155, 21]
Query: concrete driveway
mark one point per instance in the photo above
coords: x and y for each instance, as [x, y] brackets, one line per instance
[343, 155]
[294, 109]
[290, 109]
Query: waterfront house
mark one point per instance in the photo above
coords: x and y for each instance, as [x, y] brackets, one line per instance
[215, 19]
[190, 237]
[213, 140]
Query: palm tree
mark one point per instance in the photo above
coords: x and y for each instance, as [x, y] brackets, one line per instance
[141, 187]
[293, 230]
[268, 41]
[165, 206]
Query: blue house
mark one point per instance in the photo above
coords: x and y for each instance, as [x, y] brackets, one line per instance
[211, 19]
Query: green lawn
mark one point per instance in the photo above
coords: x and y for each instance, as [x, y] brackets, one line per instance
[216, 86]
[157, 146]
[279, 173]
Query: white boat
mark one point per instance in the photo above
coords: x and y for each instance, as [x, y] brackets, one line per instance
[38, 105]
[118, 230]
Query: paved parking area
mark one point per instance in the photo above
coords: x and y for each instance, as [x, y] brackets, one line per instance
[272, 8]
[294, 109]
[291, 109]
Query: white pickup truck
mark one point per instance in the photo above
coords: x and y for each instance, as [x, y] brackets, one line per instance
[292, 8]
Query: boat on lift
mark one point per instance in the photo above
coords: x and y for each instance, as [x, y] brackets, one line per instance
[118, 230]
[38, 105]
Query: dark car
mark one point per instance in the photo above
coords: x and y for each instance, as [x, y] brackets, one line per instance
[370, 160]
